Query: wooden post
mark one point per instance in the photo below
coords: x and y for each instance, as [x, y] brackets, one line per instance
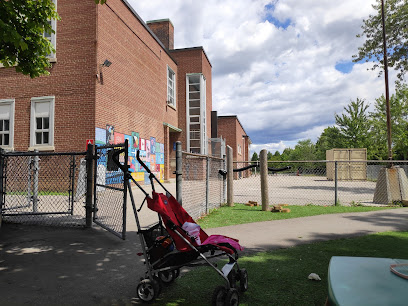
[264, 179]
[230, 177]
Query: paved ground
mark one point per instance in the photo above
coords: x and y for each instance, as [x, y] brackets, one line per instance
[49, 266]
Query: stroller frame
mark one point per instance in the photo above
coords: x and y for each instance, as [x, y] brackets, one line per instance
[163, 265]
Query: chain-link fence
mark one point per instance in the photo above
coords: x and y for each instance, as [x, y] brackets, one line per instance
[109, 190]
[43, 188]
[319, 182]
[203, 185]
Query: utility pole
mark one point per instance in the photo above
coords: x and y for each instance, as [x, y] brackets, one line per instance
[387, 94]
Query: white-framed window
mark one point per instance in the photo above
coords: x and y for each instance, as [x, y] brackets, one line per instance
[171, 87]
[7, 124]
[42, 123]
[239, 150]
[52, 37]
[196, 114]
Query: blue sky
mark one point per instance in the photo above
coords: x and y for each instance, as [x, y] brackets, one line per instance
[284, 67]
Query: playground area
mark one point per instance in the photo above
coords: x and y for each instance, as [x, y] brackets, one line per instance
[304, 190]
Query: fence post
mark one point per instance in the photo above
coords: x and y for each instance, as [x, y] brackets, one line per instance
[230, 178]
[89, 185]
[224, 179]
[179, 173]
[207, 184]
[264, 179]
[1, 183]
[335, 184]
[36, 169]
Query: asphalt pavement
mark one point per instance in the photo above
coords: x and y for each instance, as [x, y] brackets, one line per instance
[75, 266]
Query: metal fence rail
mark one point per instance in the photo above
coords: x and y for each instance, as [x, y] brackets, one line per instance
[203, 186]
[43, 188]
[314, 182]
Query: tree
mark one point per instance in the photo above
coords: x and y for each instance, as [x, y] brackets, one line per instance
[22, 41]
[254, 157]
[269, 156]
[304, 150]
[330, 138]
[354, 124]
[399, 124]
[396, 12]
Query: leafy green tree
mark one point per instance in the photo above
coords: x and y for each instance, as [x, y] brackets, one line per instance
[304, 150]
[22, 27]
[255, 157]
[269, 155]
[354, 124]
[396, 16]
[286, 154]
[277, 155]
[22, 42]
[399, 124]
[331, 138]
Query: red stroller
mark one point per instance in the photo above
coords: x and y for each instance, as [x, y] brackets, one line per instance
[177, 241]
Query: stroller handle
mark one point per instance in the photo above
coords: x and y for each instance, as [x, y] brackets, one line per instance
[141, 162]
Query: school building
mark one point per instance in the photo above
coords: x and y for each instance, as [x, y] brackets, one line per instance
[113, 77]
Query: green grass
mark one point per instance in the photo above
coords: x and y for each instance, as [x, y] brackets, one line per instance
[279, 277]
[241, 214]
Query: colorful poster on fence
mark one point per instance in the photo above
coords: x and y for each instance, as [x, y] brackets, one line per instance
[142, 144]
[152, 145]
[157, 147]
[110, 134]
[162, 148]
[135, 138]
[100, 136]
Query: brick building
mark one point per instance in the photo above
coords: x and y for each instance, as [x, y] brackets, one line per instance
[231, 129]
[113, 77]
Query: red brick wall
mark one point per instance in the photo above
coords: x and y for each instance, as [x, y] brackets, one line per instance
[71, 81]
[230, 129]
[134, 94]
[227, 130]
[164, 31]
[191, 61]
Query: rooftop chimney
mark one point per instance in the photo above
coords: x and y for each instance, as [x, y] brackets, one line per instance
[164, 30]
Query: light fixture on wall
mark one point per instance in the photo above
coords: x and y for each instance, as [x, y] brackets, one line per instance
[99, 76]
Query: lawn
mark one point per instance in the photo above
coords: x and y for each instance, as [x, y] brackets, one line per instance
[241, 214]
[280, 277]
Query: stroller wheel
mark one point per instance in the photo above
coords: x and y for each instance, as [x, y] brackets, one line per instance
[177, 272]
[232, 277]
[147, 290]
[167, 277]
[243, 280]
[232, 298]
[218, 297]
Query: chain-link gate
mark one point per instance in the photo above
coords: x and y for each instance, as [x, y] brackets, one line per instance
[42, 188]
[110, 191]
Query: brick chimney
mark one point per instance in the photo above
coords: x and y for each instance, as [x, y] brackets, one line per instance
[164, 30]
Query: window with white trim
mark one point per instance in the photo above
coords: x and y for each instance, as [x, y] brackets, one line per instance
[42, 123]
[171, 87]
[196, 114]
[7, 123]
[52, 37]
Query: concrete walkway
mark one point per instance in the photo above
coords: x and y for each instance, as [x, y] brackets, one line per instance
[60, 266]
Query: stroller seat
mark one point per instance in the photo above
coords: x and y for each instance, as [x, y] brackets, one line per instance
[175, 216]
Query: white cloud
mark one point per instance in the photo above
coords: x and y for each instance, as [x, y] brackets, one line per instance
[282, 83]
